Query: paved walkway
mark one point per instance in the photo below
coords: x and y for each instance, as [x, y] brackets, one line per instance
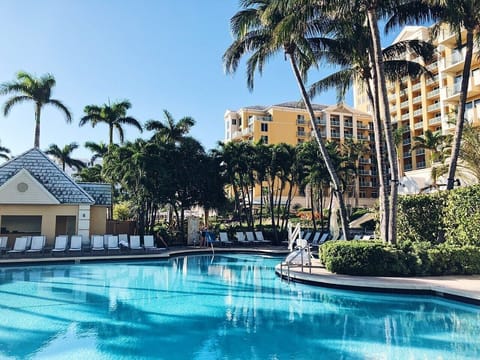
[462, 288]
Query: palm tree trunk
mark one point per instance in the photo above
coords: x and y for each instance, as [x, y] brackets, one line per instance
[38, 109]
[461, 111]
[385, 114]
[323, 149]
[110, 135]
[381, 166]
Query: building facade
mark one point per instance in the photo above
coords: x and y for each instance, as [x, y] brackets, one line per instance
[289, 123]
[430, 101]
[38, 198]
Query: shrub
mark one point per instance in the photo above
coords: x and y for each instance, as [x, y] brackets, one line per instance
[420, 217]
[462, 216]
[409, 259]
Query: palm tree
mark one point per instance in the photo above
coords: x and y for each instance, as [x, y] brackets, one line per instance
[30, 88]
[259, 30]
[351, 49]
[169, 130]
[458, 16]
[434, 142]
[64, 156]
[469, 154]
[4, 153]
[114, 115]
[99, 150]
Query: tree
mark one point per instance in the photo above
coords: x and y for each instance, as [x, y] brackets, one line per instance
[99, 150]
[30, 88]
[64, 156]
[259, 29]
[458, 16]
[434, 142]
[90, 174]
[114, 115]
[469, 154]
[349, 45]
[169, 130]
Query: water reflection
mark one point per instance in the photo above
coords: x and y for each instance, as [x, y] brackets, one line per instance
[228, 307]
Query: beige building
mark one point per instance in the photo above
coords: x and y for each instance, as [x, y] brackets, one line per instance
[428, 103]
[289, 123]
[38, 198]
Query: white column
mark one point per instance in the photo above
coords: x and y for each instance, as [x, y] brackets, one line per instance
[83, 224]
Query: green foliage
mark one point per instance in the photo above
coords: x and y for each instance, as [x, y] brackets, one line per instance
[420, 217]
[462, 216]
[122, 211]
[409, 259]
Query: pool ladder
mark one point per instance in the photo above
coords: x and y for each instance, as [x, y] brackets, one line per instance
[289, 264]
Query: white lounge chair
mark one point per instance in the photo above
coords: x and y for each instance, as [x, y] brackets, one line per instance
[123, 240]
[97, 243]
[316, 237]
[60, 244]
[149, 244]
[307, 235]
[3, 244]
[260, 238]
[105, 239]
[135, 243]
[75, 244]
[112, 245]
[250, 236]
[20, 246]
[37, 245]
[241, 237]
[224, 238]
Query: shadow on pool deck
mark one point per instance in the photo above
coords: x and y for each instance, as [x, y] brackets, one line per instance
[462, 288]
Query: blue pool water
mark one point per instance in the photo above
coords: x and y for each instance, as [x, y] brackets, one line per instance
[226, 307]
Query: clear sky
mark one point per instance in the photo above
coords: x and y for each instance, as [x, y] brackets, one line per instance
[158, 54]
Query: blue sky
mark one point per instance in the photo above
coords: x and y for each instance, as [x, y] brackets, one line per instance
[159, 54]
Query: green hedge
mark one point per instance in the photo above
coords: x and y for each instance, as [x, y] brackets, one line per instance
[455, 214]
[411, 259]
[462, 216]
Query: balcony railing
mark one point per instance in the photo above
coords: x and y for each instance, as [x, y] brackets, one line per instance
[261, 118]
[407, 154]
[433, 107]
[348, 124]
[406, 141]
[404, 104]
[301, 121]
[416, 86]
[435, 120]
[405, 116]
[433, 80]
[421, 164]
[364, 161]
[417, 112]
[335, 122]
[335, 135]
[433, 93]
[417, 99]
[454, 58]
[418, 125]
[420, 152]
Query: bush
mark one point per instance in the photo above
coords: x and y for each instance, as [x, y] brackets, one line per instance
[462, 216]
[409, 259]
[420, 217]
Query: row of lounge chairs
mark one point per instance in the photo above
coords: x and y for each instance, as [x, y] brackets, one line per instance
[30, 245]
[244, 238]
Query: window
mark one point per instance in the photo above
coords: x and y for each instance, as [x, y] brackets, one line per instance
[234, 121]
[264, 139]
[12, 224]
[263, 127]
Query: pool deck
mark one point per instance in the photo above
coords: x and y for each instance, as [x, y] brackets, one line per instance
[461, 288]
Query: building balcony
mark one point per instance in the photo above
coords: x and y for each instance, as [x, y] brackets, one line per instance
[421, 165]
[364, 172]
[420, 152]
[418, 125]
[405, 116]
[418, 112]
[406, 128]
[364, 161]
[335, 122]
[434, 93]
[404, 104]
[407, 154]
[434, 80]
[408, 167]
[320, 121]
[262, 118]
[365, 184]
[301, 121]
[335, 135]
[432, 67]
[406, 141]
[435, 120]
[303, 133]
[348, 136]
[362, 137]
[454, 60]
[433, 107]
[417, 86]
[348, 124]
[362, 126]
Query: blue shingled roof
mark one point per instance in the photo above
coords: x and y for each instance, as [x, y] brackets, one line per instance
[55, 181]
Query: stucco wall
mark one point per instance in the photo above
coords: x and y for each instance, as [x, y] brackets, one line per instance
[98, 219]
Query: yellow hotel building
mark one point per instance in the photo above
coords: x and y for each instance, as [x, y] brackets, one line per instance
[428, 102]
[289, 123]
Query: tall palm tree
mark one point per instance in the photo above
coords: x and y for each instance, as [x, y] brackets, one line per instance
[170, 130]
[27, 87]
[4, 153]
[64, 156]
[458, 16]
[99, 150]
[469, 154]
[351, 49]
[112, 114]
[259, 28]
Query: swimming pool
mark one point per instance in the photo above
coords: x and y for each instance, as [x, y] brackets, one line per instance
[225, 307]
